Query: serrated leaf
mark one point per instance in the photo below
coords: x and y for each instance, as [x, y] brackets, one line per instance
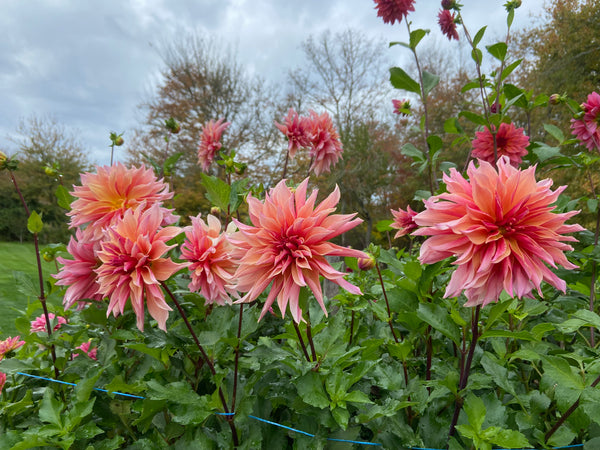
[475, 410]
[311, 390]
[555, 132]
[545, 152]
[498, 50]
[438, 318]
[63, 197]
[24, 284]
[413, 152]
[50, 409]
[341, 416]
[34, 223]
[217, 191]
[401, 80]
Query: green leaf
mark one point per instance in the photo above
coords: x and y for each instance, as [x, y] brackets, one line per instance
[430, 81]
[477, 55]
[403, 44]
[236, 196]
[545, 152]
[434, 143]
[475, 410]
[523, 335]
[510, 68]
[217, 191]
[452, 126]
[510, 439]
[357, 397]
[478, 36]
[413, 152]
[34, 223]
[511, 91]
[416, 36]
[475, 118]
[438, 318]
[555, 132]
[24, 284]
[170, 162]
[510, 17]
[341, 416]
[310, 388]
[498, 50]
[401, 80]
[64, 198]
[50, 409]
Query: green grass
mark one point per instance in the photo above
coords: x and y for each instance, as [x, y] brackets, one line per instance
[20, 258]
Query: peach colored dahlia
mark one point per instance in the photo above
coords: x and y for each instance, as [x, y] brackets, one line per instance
[510, 141]
[500, 227]
[104, 196]
[587, 128]
[10, 344]
[392, 10]
[209, 253]
[210, 142]
[286, 246]
[294, 128]
[39, 324]
[2, 380]
[403, 221]
[325, 146]
[85, 348]
[133, 264]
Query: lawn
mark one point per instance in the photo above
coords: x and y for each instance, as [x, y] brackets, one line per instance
[15, 257]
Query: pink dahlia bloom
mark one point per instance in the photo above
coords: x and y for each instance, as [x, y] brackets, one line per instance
[446, 19]
[510, 142]
[210, 142]
[133, 265]
[209, 253]
[587, 128]
[392, 10]
[2, 381]
[10, 344]
[294, 128]
[39, 324]
[403, 221]
[500, 227]
[104, 196]
[286, 246]
[78, 273]
[85, 348]
[325, 146]
[401, 107]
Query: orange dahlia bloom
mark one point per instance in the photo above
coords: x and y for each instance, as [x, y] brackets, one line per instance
[295, 129]
[500, 227]
[210, 142]
[324, 140]
[209, 254]
[510, 141]
[2, 381]
[403, 221]
[10, 344]
[104, 196]
[286, 247]
[133, 265]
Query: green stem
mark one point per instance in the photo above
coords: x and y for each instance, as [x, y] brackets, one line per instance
[237, 357]
[300, 340]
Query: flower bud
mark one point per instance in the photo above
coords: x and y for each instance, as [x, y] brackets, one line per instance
[512, 4]
[172, 125]
[116, 139]
[366, 263]
[448, 4]
[556, 99]
[495, 108]
[215, 210]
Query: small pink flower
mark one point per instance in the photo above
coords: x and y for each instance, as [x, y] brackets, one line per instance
[510, 142]
[2, 381]
[401, 107]
[392, 10]
[587, 128]
[85, 348]
[133, 264]
[500, 227]
[447, 21]
[209, 253]
[325, 146]
[39, 324]
[210, 142]
[403, 221]
[286, 246]
[294, 128]
[10, 344]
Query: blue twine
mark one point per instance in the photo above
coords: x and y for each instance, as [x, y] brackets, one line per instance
[263, 420]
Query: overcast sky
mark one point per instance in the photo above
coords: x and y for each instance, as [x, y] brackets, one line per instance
[90, 63]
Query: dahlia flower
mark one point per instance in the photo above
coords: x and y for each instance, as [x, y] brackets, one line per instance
[510, 142]
[286, 246]
[401, 107]
[447, 22]
[39, 324]
[403, 221]
[85, 348]
[133, 265]
[2, 380]
[210, 142]
[587, 128]
[500, 227]
[10, 344]
[294, 128]
[209, 253]
[104, 196]
[325, 146]
[392, 10]
[78, 273]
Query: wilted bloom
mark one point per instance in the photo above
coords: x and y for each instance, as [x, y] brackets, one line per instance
[286, 245]
[401, 107]
[325, 146]
[85, 348]
[500, 227]
[209, 253]
[586, 128]
[2, 380]
[104, 196]
[133, 265]
[392, 10]
[210, 142]
[447, 21]
[39, 324]
[294, 128]
[403, 221]
[78, 273]
[510, 141]
[10, 344]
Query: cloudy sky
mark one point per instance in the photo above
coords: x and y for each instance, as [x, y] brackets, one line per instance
[89, 64]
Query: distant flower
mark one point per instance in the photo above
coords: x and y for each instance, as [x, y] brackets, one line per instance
[104, 196]
[78, 273]
[210, 142]
[403, 221]
[10, 344]
[286, 245]
[39, 324]
[85, 348]
[133, 265]
[447, 21]
[401, 107]
[392, 10]
[294, 128]
[449, 4]
[510, 141]
[500, 227]
[209, 253]
[495, 108]
[325, 146]
[2, 381]
[587, 128]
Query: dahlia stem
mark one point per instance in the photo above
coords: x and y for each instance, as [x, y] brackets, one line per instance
[285, 165]
[237, 357]
[387, 303]
[465, 368]
[309, 337]
[228, 417]
[351, 328]
[594, 264]
[300, 340]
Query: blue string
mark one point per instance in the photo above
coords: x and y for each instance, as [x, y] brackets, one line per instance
[263, 420]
